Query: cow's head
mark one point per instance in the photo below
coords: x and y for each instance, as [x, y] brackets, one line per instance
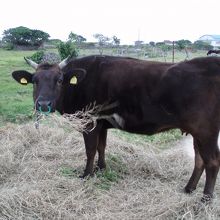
[48, 81]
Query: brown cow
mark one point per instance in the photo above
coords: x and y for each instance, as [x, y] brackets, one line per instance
[151, 97]
[213, 51]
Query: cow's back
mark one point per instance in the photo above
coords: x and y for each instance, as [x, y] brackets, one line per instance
[111, 79]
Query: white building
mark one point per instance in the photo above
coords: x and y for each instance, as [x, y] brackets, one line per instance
[213, 40]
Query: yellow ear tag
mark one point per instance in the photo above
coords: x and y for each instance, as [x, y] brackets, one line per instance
[73, 80]
[23, 81]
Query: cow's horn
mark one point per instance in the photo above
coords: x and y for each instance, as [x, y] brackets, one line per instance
[64, 62]
[31, 63]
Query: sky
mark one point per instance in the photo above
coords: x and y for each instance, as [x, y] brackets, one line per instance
[129, 20]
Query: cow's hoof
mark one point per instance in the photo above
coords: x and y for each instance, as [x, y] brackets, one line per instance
[86, 175]
[99, 169]
[188, 190]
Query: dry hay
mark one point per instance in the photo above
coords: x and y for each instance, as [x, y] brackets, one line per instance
[34, 184]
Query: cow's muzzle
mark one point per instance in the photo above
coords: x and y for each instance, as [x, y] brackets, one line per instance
[44, 107]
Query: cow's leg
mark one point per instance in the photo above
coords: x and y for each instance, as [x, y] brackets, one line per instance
[91, 140]
[101, 149]
[211, 169]
[198, 169]
[210, 154]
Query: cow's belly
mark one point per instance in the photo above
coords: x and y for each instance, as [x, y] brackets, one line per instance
[131, 123]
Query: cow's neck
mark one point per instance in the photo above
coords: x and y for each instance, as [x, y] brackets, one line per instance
[60, 104]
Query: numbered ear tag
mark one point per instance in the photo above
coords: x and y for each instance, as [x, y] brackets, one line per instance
[73, 80]
[23, 81]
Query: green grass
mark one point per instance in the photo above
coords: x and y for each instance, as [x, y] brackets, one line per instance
[106, 178]
[68, 172]
[161, 140]
[15, 100]
[113, 173]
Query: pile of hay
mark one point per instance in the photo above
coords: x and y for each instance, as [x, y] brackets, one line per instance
[39, 179]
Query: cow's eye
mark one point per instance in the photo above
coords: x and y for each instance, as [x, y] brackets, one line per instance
[59, 81]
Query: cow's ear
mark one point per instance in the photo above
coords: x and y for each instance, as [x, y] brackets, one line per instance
[75, 76]
[22, 76]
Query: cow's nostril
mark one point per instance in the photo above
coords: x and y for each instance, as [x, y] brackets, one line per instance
[44, 106]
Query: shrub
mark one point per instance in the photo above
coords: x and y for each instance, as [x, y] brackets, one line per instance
[66, 49]
[37, 57]
[8, 46]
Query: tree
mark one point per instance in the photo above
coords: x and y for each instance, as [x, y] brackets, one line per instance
[201, 45]
[164, 47]
[152, 43]
[138, 43]
[116, 41]
[102, 41]
[23, 36]
[76, 39]
[182, 44]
